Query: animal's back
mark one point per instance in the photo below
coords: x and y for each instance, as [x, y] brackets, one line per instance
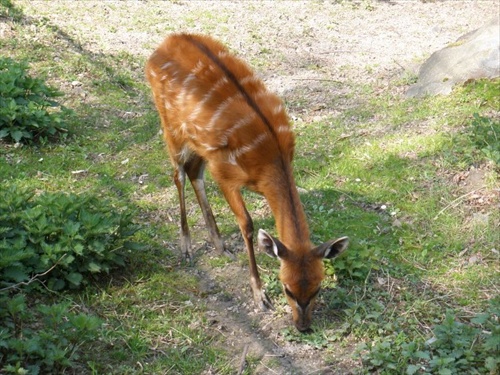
[214, 104]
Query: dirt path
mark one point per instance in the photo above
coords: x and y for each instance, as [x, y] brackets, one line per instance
[255, 335]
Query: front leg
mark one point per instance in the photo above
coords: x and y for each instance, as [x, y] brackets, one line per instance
[245, 222]
[260, 297]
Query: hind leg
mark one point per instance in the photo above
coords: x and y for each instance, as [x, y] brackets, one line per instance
[180, 182]
[178, 154]
[195, 169]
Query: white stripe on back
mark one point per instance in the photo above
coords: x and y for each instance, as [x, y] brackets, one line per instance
[249, 78]
[278, 109]
[248, 119]
[198, 67]
[222, 54]
[220, 110]
[185, 87]
[199, 106]
[284, 129]
[247, 148]
[167, 65]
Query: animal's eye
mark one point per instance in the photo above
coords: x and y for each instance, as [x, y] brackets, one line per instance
[305, 305]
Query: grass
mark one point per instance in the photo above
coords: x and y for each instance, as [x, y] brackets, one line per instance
[381, 172]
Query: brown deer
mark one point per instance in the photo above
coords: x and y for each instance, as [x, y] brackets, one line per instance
[215, 112]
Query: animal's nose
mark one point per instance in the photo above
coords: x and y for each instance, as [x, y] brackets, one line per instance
[303, 328]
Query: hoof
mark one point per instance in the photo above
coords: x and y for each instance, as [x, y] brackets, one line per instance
[262, 301]
[186, 258]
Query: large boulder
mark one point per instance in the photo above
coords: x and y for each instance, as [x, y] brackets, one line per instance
[474, 55]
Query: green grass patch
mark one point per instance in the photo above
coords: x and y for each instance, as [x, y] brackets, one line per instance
[413, 183]
[390, 187]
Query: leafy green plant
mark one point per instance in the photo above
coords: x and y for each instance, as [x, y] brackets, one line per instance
[28, 111]
[70, 235]
[485, 133]
[459, 347]
[317, 340]
[353, 264]
[455, 348]
[273, 284]
[390, 354]
[42, 339]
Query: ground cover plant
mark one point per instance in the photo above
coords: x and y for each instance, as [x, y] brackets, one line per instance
[24, 103]
[74, 234]
[413, 182]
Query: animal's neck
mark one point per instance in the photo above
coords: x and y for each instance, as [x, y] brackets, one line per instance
[283, 198]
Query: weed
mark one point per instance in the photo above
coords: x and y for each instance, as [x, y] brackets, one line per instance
[356, 265]
[485, 135]
[25, 104]
[42, 339]
[454, 348]
[70, 235]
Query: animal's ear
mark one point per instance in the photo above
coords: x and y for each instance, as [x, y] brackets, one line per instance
[272, 246]
[331, 249]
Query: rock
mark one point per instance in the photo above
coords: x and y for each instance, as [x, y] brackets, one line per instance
[474, 55]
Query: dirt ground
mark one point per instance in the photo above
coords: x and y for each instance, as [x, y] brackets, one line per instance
[308, 52]
[303, 50]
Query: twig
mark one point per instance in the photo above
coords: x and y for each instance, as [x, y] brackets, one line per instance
[171, 367]
[415, 264]
[398, 64]
[34, 278]
[190, 340]
[269, 369]
[243, 359]
[317, 79]
[456, 201]
[324, 370]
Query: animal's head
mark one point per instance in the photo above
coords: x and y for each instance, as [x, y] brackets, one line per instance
[301, 274]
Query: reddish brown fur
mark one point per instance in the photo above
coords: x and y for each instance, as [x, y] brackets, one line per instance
[214, 110]
[184, 57]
